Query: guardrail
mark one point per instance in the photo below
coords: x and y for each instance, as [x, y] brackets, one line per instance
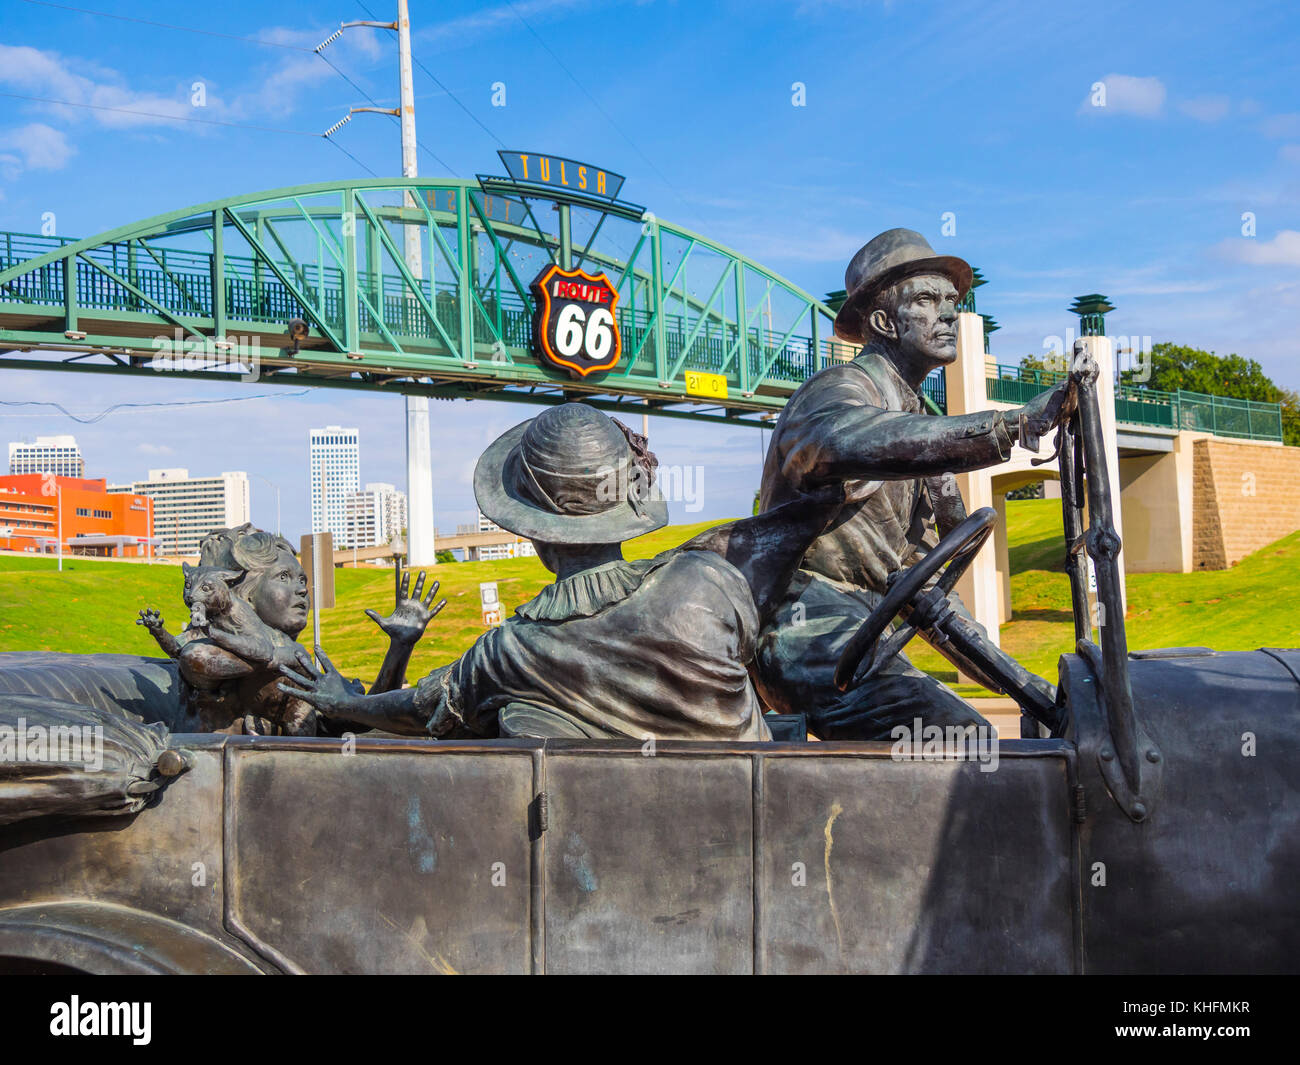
[1245, 419]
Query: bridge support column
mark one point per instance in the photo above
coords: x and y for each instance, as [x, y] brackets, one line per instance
[985, 588]
[1001, 558]
[1157, 502]
[980, 587]
[420, 547]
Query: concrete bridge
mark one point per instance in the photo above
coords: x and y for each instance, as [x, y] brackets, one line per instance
[468, 542]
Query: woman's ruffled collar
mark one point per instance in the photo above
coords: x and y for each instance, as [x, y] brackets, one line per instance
[590, 591]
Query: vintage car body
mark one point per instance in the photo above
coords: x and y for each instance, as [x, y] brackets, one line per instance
[279, 854]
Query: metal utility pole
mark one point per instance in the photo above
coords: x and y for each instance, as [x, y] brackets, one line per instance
[421, 549]
[419, 459]
[410, 168]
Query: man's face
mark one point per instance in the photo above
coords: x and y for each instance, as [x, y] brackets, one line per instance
[925, 320]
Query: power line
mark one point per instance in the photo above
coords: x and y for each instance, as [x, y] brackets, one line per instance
[168, 26]
[436, 81]
[92, 419]
[456, 99]
[331, 140]
[274, 44]
[573, 78]
[183, 118]
[209, 121]
[159, 114]
[375, 103]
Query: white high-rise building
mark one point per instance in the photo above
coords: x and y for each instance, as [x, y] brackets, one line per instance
[492, 552]
[335, 472]
[374, 516]
[186, 509]
[58, 455]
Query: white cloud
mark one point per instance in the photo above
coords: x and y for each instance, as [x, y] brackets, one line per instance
[1281, 125]
[1282, 250]
[46, 74]
[1206, 108]
[1126, 94]
[282, 86]
[33, 147]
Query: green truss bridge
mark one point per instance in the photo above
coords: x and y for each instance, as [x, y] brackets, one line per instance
[422, 287]
[411, 286]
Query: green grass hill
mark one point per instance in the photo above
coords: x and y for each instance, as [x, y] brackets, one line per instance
[92, 605]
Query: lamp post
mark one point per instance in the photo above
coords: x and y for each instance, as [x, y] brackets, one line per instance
[399, 552]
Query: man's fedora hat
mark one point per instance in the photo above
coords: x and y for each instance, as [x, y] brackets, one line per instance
[889, 257]
[570, 476]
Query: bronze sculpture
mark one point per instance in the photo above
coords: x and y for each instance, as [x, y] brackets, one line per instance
[248, 603]
[708, 857]
[862, 423]
[652, 648]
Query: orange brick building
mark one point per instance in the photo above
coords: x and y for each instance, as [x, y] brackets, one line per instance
[36, 509]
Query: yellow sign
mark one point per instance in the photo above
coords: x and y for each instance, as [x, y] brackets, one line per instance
[713, 385]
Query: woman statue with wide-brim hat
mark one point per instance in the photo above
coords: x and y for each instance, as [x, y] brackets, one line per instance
[613, 648]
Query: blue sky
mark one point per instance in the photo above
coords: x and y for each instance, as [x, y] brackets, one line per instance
[913, 109]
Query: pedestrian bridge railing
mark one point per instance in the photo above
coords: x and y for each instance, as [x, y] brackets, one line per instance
[1245, 419]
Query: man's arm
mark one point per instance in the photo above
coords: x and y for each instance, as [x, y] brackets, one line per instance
[856, 442]
[845, 433]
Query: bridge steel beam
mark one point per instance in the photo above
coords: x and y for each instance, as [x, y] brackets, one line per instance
[304, 259]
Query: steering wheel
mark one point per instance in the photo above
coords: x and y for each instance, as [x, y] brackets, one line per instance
[907, 591]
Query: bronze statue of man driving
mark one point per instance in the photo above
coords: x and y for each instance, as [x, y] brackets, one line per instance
[863, 423]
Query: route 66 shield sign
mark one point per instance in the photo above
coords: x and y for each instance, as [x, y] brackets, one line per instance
[575, 327]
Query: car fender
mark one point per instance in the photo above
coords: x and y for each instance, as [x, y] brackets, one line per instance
[103, 938]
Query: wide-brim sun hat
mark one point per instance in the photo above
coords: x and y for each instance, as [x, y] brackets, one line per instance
[885, 259]
[568, 476]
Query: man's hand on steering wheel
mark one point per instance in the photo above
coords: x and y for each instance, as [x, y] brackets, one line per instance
[910, 591]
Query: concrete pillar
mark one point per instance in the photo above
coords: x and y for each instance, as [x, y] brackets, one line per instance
[964, 380]
[420, 550]
[1157, 503]
[1002, 559]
